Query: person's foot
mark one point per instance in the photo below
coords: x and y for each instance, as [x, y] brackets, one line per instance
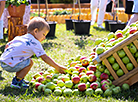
[25, 81]
[101, 27]
[18, 84]
[92, 22]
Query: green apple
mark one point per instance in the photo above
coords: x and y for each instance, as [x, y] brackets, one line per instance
[101, 68]
[119, 72]
[108, 45]
[110, 35]
[112, 86]
[97, 74]
[84, 78]
[89, 92]
[51, 70]
[57, 92]
[76, 86]
[55, 81]
[125, 86]
[111, 59]
[69, 84]
[75, 72]
[121, 53]
[67, 92]
[65, 78]
[100, 50]
[116, 90]
[125, 60]
[136, 54]
[71, 69]
[60, 83]
[50, 85]
[88, 85]
[98, 91]
[40, 87]
[107, 71]
[98, 41]
[108, 92]
[111, 77]
[99, 85]
[132, 48]
[57, 87]
[76, 92]
[129, 66]
[47, 91]
[55, 76]
[115, 66]
[98, 65]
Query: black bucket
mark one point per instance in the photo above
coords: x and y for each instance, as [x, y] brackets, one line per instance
[113, 26]
[81, 27]
[69, 24]
[107, 24]
[52, 29]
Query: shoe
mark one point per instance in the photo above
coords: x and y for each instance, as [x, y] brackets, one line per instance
[101, 27]
[25, 81]
[92, 22]
[18, 84]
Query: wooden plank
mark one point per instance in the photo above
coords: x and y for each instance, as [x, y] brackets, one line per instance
[119, 46]
[109, 67]
[136, 43]
[130, 56]
[119, 61]
[126, 76]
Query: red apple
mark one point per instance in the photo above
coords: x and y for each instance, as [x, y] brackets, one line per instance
[92, 68]
[92, 78]
[93, 53]
[104, 76]
[104, 82]
[112, 39]
[85, 62]
[133, 30]
[77, 67]
[92, 56]
[82, 69]
[36, 85]
[41, 79]
[41, 73]
[83, 57]
[89, 73]
[94, 85]
[105, 86]
[72, 64]
[82, 86]
[76, 79]
[118, 35]
[48, 78]
[81, 74]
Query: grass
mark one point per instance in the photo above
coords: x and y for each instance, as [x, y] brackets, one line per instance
[63, 47]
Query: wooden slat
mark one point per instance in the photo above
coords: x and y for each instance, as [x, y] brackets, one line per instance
[117, 47]
[126, 76]
[136, 43]
[130, 56]
[119, 61]
[109, 67]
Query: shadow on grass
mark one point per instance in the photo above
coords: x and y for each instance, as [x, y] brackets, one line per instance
[97, 28]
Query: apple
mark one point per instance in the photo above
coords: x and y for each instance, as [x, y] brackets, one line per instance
[98, 74]
[69, 84]
[76, 86]
[67, 92]
[37, 75]
[104, 76]
[92, 53]
[98, 41]
[51, 85]
[72, 64]
[41, 80]
[136, 55]
[51, 70]
[92, 68]
[104, 82]
[87, 85]
[125, 60]
[82, 86]
[55, 76]
[76, 79]
[112, 39]
[129, 66]
[111, 77]
[45, 74]
[41, 73]
[57, 92]
[116, 90]
[121, 53]
[118, 35]
[110, 82]
[108, 92]
[92, 78]
[44, 87]
[60, 83]
[100, 50]
[133, 30]
[102, 44]
[105, 86]
[65, 78]
[132, 48]
[94, 85]
[48, 78]
[40, 87]
[32, 83]
[85, 62]
[99, 85]
[119, 72]
[36, 85]
[78, 66]
[83, 57]
[101, 68]
[115, 66]
[71, 69]
[75, 73]
[76, 92]
[110, 35]
[98, 91]
[84, 78]
[81, 74]
[125, 86]
[89, 92]
[47, 91]
[82, 69]
[107, 71]
[111, 59]
[89, 73]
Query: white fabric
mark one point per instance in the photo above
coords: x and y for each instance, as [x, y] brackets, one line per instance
[135, 6]
[1, 29]
[102, 7]
[21, 48]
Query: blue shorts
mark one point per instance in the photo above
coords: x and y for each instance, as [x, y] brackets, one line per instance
[17, 67]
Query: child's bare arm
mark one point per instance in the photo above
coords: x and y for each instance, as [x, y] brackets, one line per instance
[52, 63]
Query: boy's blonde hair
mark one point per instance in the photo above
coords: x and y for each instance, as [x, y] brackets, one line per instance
[39, 23]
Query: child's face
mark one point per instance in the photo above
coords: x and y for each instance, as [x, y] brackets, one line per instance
[40, 35]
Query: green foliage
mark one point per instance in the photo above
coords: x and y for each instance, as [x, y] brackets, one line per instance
[61, 1]
[16, 2]
[64, 12]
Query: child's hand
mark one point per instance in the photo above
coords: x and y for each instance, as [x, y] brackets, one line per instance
[61, 69]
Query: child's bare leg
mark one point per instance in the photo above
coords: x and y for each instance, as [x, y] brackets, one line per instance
[22, 73]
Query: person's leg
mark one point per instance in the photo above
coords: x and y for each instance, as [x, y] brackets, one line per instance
[102, 7]
[94, 5]
[133, 19]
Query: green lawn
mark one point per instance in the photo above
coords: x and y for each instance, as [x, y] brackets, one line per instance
[63, 47]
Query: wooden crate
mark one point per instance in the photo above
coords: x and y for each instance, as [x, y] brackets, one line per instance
[129, 77]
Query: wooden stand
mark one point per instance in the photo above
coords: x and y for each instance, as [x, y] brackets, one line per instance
[16, 27]
[129, 77]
